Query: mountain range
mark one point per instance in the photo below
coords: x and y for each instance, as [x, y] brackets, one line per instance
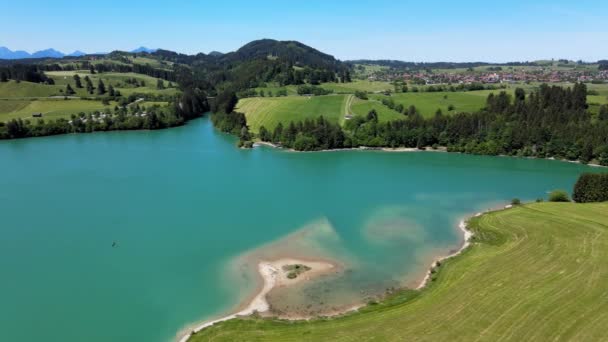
[6, 53]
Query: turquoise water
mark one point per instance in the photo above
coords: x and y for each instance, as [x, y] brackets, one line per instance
[184, 205]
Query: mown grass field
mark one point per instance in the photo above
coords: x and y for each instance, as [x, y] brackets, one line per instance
[269, 111]
[533, 273]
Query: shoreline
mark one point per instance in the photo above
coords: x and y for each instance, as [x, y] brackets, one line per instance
[272, 277]
[360, 148]
[442, 149]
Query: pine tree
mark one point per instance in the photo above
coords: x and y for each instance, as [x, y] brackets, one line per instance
[101, 88]
[3, 77]
[89, 84]
[69, 90]
[78, 82]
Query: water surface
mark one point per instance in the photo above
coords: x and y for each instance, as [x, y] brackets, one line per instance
[184, 206]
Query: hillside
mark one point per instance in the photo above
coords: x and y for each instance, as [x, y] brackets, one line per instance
[557, 292]
[292, 52]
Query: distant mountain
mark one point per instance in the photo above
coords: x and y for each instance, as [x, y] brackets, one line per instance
[5, 53]
[76, 53]
[48, 53]
[216, 54]
[143, 49]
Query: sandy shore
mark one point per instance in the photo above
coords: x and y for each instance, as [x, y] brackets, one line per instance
[273, 275]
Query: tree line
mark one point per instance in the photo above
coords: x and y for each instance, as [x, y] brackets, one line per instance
[551, 122]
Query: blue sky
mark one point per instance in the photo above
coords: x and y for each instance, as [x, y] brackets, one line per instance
[429, 30]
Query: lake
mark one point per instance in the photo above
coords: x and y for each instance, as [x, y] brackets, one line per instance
[131, 236]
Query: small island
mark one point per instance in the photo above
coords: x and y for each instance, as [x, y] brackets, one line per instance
[293, 271]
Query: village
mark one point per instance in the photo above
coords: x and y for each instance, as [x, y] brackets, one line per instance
[492, 75]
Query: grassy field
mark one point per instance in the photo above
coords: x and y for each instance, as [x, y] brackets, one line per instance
[12, 89]
[362, 107]
[534, 273]
[269, 111]
[428, 103]
[358, 85]
[117, 80]
[338, 88]
[21, 100]
[50, 108]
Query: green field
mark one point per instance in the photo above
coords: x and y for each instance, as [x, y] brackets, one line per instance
[12, 89]
[428, 103]
[269, 111]
[338, 88]
[50, 108]
[362, 107]
[533, 273]
[117, 80]
[358, 85]
[22, 99]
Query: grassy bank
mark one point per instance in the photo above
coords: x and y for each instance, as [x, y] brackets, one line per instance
[536, 272]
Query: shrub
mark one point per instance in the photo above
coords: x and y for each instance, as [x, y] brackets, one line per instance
[558, 196]
[515, 201]
[591, 187]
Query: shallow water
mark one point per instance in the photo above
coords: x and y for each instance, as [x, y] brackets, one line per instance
[187, 210]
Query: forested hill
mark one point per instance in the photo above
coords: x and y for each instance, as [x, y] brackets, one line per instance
[261, 61]
[292, 52]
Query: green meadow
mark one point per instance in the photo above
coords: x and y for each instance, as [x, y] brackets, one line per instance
[533, 273]
[428, 103]
[23, 99]
[50, 108]
[117, 80]
[269, 111]
[362, 107]
[13, 89]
